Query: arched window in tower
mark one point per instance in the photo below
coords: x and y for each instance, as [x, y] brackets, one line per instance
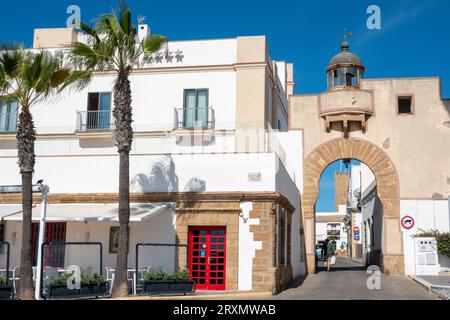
[348, 79]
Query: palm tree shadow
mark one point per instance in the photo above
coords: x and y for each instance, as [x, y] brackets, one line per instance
[162, 178]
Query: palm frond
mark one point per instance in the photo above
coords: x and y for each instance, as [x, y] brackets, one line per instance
[153, 43]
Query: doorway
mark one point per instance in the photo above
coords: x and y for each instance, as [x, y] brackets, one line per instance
[207, 257]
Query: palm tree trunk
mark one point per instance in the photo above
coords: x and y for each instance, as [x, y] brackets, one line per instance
[124, 137]
[26, 135]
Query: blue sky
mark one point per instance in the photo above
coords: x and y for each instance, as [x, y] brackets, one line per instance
[414, 40]
[325, 203]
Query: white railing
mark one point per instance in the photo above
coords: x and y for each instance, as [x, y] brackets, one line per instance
[194, 118]
[94, 121]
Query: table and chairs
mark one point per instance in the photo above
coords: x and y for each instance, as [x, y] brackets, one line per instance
[49, 273]
[132, 277]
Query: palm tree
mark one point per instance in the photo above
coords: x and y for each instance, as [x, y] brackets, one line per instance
[28, 77]
[114, 45]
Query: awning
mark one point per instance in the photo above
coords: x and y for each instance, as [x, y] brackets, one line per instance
[86, 212]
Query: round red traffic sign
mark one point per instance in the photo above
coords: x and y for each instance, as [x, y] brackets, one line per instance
[356, 230]
[407, 222]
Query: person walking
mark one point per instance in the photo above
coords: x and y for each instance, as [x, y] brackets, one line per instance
[324, 252]
[331, 251]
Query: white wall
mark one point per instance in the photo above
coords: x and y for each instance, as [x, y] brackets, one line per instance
[428, 215]
[247, 248]
[286, 187]
[99, 174]
[155, 96]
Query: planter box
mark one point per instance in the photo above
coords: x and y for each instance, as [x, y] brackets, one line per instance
[169, 286]
[86, 291]
[6, 292]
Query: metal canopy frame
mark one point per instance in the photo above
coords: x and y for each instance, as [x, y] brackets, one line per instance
[41, 267]
[171, 245]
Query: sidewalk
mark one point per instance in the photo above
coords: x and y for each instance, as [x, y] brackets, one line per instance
[439, 285]
[202, 295]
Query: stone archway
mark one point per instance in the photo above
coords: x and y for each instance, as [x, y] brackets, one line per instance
[388, 192]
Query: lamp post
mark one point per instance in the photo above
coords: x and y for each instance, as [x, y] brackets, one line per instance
[44, 190]
[40, 187]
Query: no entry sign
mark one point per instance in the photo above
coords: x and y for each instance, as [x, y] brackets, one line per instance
[407, 222]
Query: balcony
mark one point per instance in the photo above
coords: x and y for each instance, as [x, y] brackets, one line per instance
[194, 118]
[8, 125]
[346, 106]
[95, 124]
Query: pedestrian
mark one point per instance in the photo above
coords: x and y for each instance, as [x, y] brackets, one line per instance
[324, 252]
[331, 251]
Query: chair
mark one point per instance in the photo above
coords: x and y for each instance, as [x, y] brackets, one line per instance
[110, 278]
[49, 274]
[15, 278]
[34, 276]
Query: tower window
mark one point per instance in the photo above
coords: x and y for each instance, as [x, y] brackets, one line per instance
[405, 105]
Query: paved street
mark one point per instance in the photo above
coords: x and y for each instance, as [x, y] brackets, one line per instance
[347, 280]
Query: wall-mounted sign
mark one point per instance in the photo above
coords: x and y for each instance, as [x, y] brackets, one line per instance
[407, 222]
[254, 176]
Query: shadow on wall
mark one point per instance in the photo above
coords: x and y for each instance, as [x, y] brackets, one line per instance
[163, 178]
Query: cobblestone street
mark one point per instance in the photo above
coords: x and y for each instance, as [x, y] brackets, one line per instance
[347, 281]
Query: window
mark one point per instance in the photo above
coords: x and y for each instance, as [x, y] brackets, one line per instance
[196, 108]
[8, 116]
[405, 105]
[99, 111]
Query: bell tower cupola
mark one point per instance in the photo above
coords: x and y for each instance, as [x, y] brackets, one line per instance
[345, 69]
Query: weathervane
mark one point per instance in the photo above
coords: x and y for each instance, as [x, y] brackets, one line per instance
[141, 19]
[346, 35]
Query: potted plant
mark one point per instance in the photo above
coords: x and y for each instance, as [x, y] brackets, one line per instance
[5, 289]
[171, 283]
[92, 286]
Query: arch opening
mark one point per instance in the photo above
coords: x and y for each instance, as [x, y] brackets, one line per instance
[349, 215]
[391, 257]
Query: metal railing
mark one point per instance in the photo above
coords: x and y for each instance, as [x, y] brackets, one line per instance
[194, 118]
[94, 121]
[8, 122]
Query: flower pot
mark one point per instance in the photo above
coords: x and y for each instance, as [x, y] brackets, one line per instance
[86, 291]
[169, 286]
[6, 292]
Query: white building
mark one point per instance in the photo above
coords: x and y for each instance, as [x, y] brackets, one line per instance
[427, 215]
[330, 225]
[205, 161]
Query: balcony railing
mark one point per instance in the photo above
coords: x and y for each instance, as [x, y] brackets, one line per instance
[194, 118]
[88, 121]
[8, 122]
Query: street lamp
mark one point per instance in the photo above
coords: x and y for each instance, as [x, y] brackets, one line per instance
[40, 187]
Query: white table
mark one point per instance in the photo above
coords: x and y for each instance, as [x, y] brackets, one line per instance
[131, 275]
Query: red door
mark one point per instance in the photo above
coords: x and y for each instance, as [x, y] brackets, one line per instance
[207, 257]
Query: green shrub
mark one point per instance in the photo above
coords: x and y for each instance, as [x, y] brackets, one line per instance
[442, 239]
[92, 279]
[161, 275]
[3, 281]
